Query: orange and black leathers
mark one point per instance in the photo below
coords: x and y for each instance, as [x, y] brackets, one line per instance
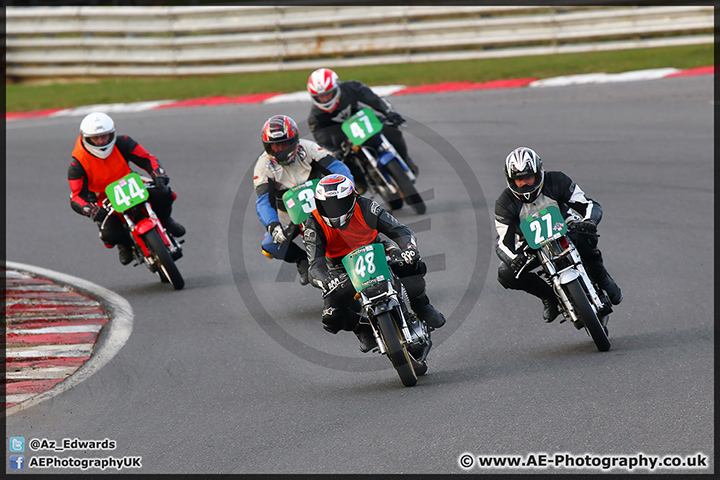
[88, 176]
[340, 242]
[326, 248]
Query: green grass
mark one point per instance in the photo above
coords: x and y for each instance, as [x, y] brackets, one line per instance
[29, 96]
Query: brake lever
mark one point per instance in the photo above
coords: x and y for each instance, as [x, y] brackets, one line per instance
[530, 259]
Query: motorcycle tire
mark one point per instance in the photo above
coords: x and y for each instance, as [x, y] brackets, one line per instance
[394, 204]
[162, 256]
[396, 351]
[406, 187]
[584, 310]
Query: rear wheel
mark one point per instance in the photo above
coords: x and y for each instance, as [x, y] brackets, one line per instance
[166, 265]
[396, 351]
[407, 189]
[587, 315]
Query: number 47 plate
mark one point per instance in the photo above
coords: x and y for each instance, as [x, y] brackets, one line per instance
[127, 192]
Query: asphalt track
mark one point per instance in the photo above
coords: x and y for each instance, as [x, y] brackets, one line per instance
[234, 374]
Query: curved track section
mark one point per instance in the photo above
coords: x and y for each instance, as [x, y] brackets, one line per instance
[115, 333]
[203, 386]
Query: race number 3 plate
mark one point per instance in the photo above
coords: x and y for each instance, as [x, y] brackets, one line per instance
[543, 226]
[367, 266]
[127, 192]
[300, 201]
[361, 126]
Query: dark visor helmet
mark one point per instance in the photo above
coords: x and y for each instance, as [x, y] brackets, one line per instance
[523, 162]
[335, 200]
[280, 139]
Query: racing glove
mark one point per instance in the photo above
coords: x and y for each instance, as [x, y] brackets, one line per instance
[587, 226]
[95, 212]
[160, 177]
[394, 117]
[342, 151]
[410, 254]
[333, 282]
[278, 234]
[519, 261]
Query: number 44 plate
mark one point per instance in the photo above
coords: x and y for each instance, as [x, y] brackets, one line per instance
[127, 192]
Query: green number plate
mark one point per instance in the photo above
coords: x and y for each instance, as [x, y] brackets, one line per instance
[367, 266]
[543, 226]
[127, 192]
[300, 201]
[361, 126]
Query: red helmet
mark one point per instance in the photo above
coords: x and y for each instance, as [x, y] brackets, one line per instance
[324, 88]
[280, 139]
[335, 200]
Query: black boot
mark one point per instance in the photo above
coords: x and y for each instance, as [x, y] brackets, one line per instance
[174, 228]
[125, 253]
[426, 312]
[534, 285]
[365, 335]
[551, 309]
[603, 279]
[302, 267]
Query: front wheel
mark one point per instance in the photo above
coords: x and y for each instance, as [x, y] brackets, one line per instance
[407, 189]
[587, 315]
[396, 351]
[165, 263]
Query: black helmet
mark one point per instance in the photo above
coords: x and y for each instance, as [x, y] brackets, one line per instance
[335, 200]
[523, 163]
[280, 139]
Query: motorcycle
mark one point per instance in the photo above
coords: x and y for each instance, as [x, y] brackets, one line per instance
[580, 299]
[299, 203]
[368, 151]
[151, 243]
[399, 334]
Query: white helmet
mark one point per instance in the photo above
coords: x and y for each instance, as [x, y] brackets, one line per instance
[94, 125]
[524, 162]
[321, 82]
[335, 200]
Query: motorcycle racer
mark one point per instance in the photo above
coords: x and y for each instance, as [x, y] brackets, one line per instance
[335, 101]
[343, 222]
[101, 157]
[287, 161]
[528, 183]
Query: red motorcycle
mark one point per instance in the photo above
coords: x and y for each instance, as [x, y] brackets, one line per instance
[152, 244]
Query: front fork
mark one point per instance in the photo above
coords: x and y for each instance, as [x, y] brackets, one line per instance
[577, 270]
[386, 146]
[389, 304]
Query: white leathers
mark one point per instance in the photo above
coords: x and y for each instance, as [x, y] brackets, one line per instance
[288, 176]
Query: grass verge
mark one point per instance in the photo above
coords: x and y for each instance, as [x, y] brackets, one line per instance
[67, 94]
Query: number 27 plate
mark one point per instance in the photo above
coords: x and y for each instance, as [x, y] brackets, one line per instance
[127, 192]
[543, 226]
